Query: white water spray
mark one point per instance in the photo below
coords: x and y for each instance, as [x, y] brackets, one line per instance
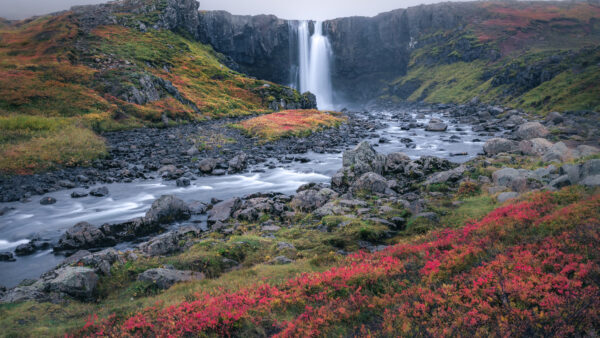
[314, 58]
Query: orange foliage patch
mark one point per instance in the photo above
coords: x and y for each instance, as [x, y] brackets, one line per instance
[290, 123]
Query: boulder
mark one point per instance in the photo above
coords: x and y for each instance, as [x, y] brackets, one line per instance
[99, 192]
[238, 163]
[559, 182]
[395, 162]
[183, 182]
[79, 194]
[47, 200]
[165, 278]
[7, 257]
[530, 130]
[281, 260]
[572, 171]
[436, 125]
[223, 211]
[554, 117]
[311, 199]
[207, 165]
[585, 150]
[167, 209]
[363, 158]
[558, 152]
[23, 294]
[517, 180]
[370, 183]
[498, 145]
[83, 235]
[76, 281]
[535, 146]
[452, 175]
[590, 173]
[170, 242]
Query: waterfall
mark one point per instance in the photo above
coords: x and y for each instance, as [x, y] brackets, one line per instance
[314, 60]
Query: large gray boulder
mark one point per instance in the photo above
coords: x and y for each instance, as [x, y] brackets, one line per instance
[590, 173]
[498, 145]
[517, 180]
[76, 281]
[223, 211]
[207, 165]
[452, 175]
[170, 242]
[362, 159]
[165, 278]
[436, 125]
[558, 152]
[530, 130]
[238, 163]
[311, 199]
[535, 146]
[83, 235]
[167, 209]
[370, 183]
[395, 162]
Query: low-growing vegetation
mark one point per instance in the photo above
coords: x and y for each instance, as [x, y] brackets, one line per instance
[288, 123]
[526, 268]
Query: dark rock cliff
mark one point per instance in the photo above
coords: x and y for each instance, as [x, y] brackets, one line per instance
[260, 45]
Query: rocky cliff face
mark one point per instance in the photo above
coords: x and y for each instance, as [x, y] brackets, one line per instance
[259, 45]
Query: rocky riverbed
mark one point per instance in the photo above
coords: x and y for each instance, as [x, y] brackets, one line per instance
[395, 172]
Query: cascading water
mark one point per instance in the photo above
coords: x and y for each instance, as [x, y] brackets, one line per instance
[314, 59]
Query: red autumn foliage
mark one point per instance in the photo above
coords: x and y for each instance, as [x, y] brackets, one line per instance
[526, 269]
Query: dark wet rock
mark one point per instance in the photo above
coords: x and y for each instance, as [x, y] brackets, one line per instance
[5, 210]
[496, 146]
[167, 209]
[183, 182]
[207, 165]
[83, 235]
[530, 130]
[47, 200]
[238, 163]
[223, 211]
[165, 278]
[25, 249]
[371, 183]
[7, 257]
[99, 192]
[79, 194]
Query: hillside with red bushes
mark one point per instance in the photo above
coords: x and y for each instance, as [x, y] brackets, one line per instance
[526, 269]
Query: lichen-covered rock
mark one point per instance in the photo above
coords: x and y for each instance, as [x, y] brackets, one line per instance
[531, 130]
[370, 183]
[535, 146]
[498, 145]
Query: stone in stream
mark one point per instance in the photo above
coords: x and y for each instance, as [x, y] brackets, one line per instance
[167, 209]
[47, 200]
[99, 192]
[78, 194]
[7, 257]
[436, 125]
[238, 163]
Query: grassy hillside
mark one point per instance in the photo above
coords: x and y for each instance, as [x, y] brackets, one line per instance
[60, 84]
[533, 56]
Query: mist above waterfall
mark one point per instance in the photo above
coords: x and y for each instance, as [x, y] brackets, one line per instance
[314, 63]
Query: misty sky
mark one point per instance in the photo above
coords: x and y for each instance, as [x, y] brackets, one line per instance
[303, 9]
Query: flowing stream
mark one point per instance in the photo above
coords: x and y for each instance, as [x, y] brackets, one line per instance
[129, 200]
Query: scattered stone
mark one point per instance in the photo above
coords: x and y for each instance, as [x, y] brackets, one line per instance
[99, 192]
[505, 196]
[281, 260]
[436, 125]
[496, 146]
[47, 200]
[165, 278]
[167, 209]
[531, 130]
[558, 152]
[535, 146]
[79, 194]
